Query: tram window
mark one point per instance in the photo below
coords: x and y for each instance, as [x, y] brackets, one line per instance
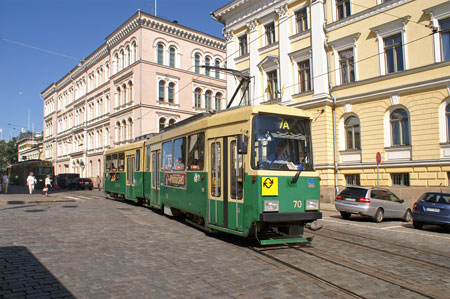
[167, 155]
[216, 171]
[108, 163]
[121, 161]
[236, 173]
[196, 151]
[179, 153]
[147, 161]
[114, 162]
[138, 160]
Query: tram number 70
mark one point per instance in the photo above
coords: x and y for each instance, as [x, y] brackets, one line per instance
[297, 204]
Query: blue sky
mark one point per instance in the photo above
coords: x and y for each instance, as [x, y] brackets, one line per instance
[74, 28]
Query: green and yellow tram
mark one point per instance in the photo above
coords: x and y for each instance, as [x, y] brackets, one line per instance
[246, 171]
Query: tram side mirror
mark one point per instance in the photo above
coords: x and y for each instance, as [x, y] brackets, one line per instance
[242, 144]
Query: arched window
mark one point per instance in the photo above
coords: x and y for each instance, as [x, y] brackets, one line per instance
[130, 129]
[208, 100]
[171, 90]
[197, 63]
[128, 56]
[116, 63]
[198, 97]
[133, 52]
[124, 130]
[124, 94]
[130, 91]
[207, 63]
[217, 71]
[162, 123]
[218, 101]
[352, 133]
[160, 53]
[447, 118]
[162, 85]
[171, 122]
[172, 56]
[400, 127]
[122, 60]
[118, 96]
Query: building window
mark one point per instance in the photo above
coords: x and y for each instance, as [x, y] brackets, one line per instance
[272, 84]
[171, 92]
[171, 122]
[445, 38]
[198, 97]
[162, 123]
[352, 180]
[346, 65]
[218, 101]
[208, 95]
[270, 33]
[301, 19]
[343, 9]
[243, 47]
[400, 128]
[447, 118]
[207, 63]
[172, 56]
[352, 133]
[393, 51]
[197, 63]
[160, 53]
[217, 71]
[162, 86]
[400, 179]
[304, 72]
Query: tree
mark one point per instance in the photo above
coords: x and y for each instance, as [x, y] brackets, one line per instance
[8, 151]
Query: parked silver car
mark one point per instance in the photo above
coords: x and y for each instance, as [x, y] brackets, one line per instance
[374, 202]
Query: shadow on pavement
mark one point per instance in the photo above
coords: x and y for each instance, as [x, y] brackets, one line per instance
[22, 275]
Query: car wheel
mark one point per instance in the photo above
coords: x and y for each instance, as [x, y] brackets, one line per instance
[346, 215]
[379, 216]
[408, 216]
[417, 224]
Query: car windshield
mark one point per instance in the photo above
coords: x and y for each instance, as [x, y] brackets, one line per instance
[353, 192]
[442, 198]
[281, 143]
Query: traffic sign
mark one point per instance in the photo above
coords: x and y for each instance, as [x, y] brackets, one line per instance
[378, 158]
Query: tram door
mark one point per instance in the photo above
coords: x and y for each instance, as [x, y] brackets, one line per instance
[155, 196]
[130, 177]
[225, 184]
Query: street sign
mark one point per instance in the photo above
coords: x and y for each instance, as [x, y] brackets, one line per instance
[378, 158]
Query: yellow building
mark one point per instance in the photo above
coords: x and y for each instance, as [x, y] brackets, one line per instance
[374, 74]
[29, 146]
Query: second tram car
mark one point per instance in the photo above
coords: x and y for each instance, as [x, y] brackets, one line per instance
[246, 171]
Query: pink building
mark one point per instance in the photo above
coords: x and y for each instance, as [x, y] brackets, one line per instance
[145, 76]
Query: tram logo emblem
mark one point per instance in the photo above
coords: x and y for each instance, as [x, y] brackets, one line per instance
[311, 183]
[269, 186]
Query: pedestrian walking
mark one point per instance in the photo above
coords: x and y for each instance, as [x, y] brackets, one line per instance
[31, 181]
[47, 185]
[55, 183]
[99, 182]
[5, 182]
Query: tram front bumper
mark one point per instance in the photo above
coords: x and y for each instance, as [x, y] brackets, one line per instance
[289, 217]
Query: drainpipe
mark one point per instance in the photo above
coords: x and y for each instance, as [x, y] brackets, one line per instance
[330, 90]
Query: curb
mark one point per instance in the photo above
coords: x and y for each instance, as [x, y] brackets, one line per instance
[21, 202]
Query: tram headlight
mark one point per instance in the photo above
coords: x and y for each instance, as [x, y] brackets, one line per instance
[312, 205]
[271, 205]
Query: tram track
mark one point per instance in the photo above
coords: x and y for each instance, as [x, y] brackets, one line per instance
[376, 273]
[270, 259]
[419, 249]
[409, 258]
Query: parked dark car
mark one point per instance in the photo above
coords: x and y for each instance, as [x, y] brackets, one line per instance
[432, 208]
[377, 203]
[81, 184]
[65, 179]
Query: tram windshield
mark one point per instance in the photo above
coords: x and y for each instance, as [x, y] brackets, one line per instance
[281, 143]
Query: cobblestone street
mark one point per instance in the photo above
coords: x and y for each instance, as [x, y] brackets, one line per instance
[82, 245]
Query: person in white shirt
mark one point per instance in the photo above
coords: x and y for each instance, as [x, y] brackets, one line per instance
[47, 184]
[31, 181]
[5, 182]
